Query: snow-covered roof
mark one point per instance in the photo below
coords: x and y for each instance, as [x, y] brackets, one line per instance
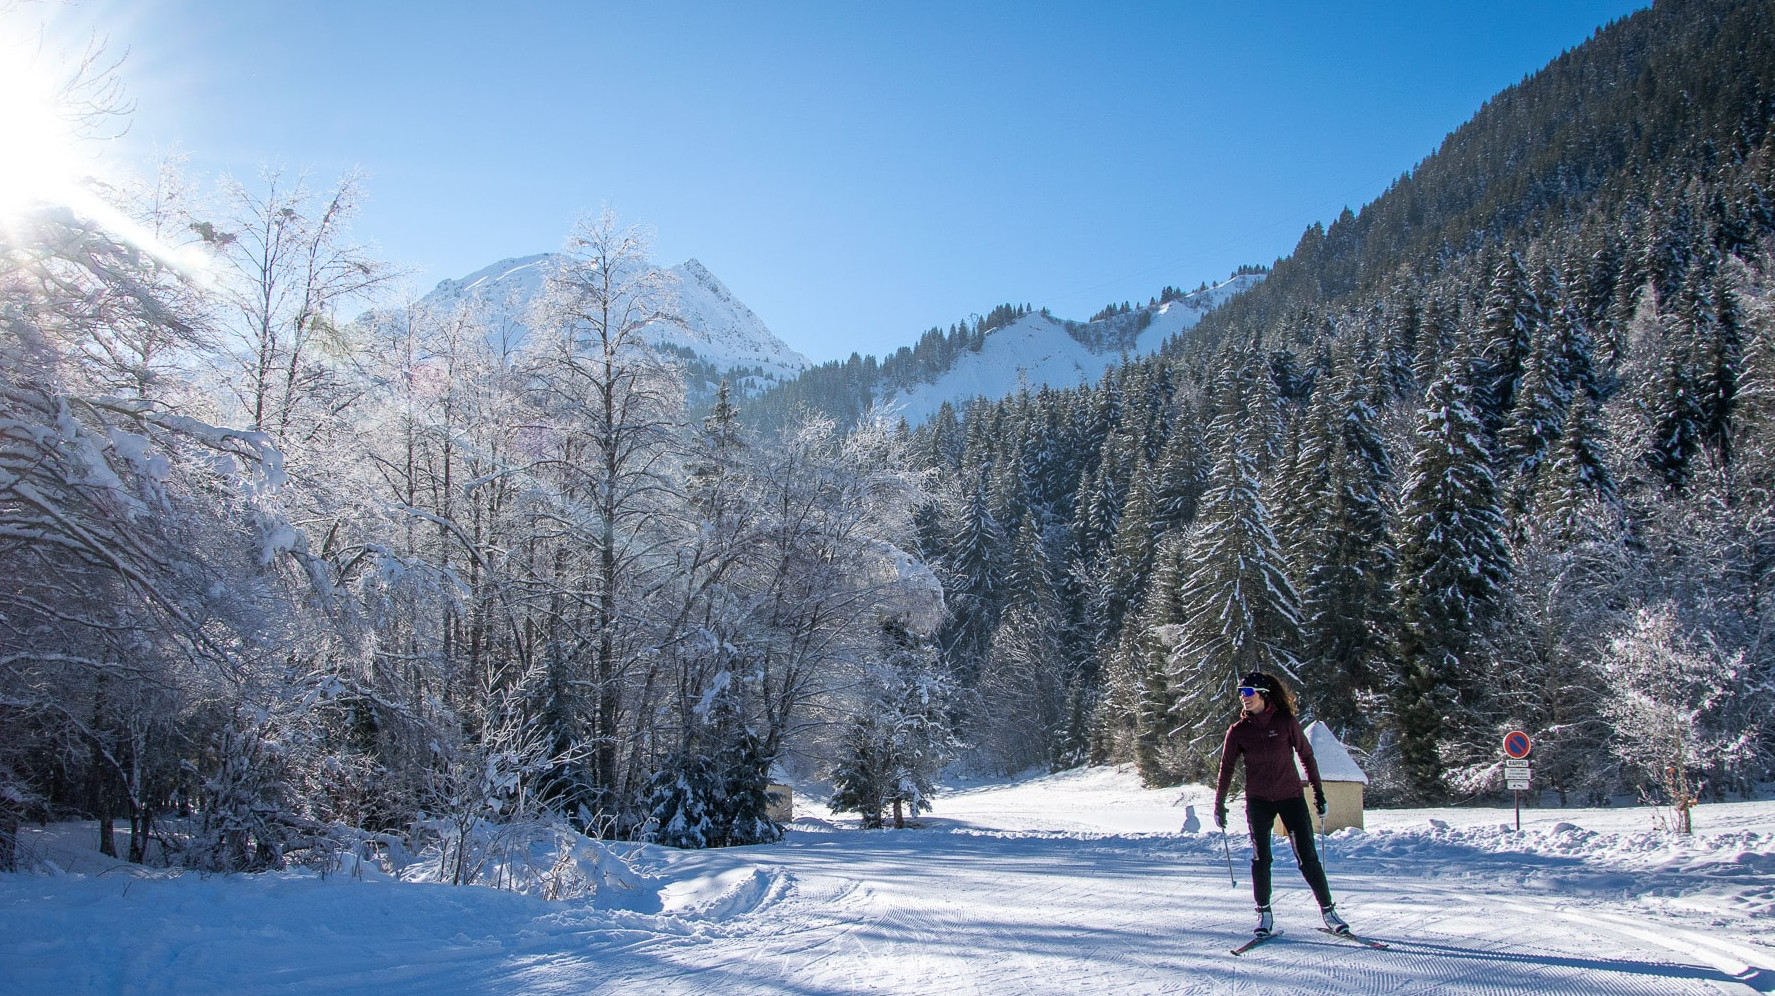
[1335, 763]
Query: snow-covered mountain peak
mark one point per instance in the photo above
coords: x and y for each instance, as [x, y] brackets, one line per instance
[506, 274]
[728, 334]
[720, 337]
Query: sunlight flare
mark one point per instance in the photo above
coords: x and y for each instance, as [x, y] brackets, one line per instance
[37, 163]
[50, 106]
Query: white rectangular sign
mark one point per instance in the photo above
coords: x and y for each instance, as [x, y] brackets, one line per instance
[1516, 762]
[1516, 783]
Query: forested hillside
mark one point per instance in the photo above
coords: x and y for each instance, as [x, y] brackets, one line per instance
[1493, 453]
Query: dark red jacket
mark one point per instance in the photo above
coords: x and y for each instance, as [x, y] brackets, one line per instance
[1268, 740]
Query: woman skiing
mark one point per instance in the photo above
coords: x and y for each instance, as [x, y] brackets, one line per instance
[1268, 736]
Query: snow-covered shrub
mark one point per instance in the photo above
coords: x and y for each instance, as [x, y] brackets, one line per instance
[684, 801]
[711, 792]
[543, 856]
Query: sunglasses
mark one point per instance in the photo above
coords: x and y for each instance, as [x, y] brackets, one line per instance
[1247, 691]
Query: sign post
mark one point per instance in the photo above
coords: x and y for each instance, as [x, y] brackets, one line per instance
[1516, 769]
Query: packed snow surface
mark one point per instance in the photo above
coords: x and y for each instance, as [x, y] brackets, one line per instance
[1081, 882]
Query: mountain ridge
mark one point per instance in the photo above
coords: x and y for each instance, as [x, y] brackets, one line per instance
[720, 337]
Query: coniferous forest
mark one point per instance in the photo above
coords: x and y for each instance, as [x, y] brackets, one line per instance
[1495, 452]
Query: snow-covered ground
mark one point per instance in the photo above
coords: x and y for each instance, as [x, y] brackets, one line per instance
[1080, 882]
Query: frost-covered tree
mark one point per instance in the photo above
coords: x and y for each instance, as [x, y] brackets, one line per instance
[140, 540]
[291, 263]
[1683, 709]
[610, 404]
[899, 737]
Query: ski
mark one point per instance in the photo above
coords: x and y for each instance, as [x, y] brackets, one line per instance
[1349, 936]
[1255, 941]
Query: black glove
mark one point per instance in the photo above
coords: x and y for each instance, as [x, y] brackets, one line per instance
[1319, 802]
[1220, 815]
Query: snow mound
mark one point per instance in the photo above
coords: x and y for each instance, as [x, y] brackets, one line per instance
[719, 895]
[544, 858]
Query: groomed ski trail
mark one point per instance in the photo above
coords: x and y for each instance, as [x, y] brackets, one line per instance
[1043, 892]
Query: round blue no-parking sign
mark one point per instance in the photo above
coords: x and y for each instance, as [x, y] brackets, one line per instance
[1516, 743]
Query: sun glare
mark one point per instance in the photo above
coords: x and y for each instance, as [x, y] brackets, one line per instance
[37, 160]
[48, 152]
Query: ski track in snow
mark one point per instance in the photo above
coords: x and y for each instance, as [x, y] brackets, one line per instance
[1072, 883]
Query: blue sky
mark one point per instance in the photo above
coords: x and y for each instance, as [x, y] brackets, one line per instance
[856, 172]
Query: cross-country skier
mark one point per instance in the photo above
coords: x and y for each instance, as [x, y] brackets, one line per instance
[1268, 736]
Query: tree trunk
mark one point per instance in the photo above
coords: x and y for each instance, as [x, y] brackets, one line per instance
[138, 834]
[8, 836]
[899, 816]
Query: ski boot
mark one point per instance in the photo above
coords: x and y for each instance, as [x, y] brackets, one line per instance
[1333, 922]
[1266, 922]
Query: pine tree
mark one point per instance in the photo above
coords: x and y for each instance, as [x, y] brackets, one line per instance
[1453, 561]
[1401, 331]
[1576, 483]
[1131, 553]
[862, 773]
[1538, 418]
[1149, 644]
[1677, 414]
[899, 738]
[1507, 326]
[1711, 309]
[711, 792]
[682, 798]
[974, 565]
[1347, 604]
[946, 438]
[1182, 473]
[1436, 340]
[1243, 613]
[744, 769]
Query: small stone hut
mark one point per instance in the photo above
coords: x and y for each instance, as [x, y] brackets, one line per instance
[1342, 779]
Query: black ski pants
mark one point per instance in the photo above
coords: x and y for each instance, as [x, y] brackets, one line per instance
[1261, 814]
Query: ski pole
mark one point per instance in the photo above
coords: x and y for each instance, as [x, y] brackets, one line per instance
[1228, 849]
